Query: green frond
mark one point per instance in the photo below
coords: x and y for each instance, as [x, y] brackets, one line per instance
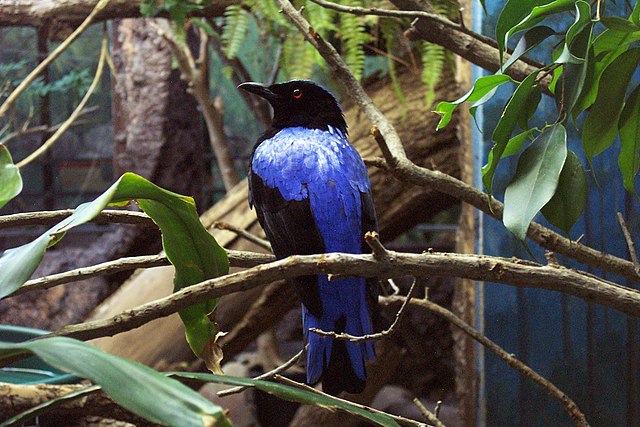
[234, 32]
[433, 60]
[353, 36]
[298, 57]
[269, 12]
[389, 31]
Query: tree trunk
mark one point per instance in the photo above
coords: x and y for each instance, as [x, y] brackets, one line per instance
[399, 206]
[153, 139]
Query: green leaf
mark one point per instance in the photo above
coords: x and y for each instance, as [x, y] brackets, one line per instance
[608, 46]
[189, 247]
[511, 14]
[295, 395]
[601, 126]
[513, 111]
[535, 180]
[515, 144]
[635, 14]
[529, 40]
[567, 204]
[481, 87]
[629, 126]
[134, 386]
[10, 179]
[508, 26]
[619, 24]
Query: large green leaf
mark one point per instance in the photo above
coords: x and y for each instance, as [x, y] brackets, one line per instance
[134, 386]
[629, 126]
[601, 126]
[567, 204]
[608, 46]
[575, 57]
[528, 41]
[535, 180]
[619, 24]
[517, 106]
[519, 15]
[281, 391]
[515, 144]
[10, 179]
[481, 87]
[295, 395]
[190, 248]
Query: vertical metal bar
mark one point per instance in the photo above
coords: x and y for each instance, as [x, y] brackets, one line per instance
[523, 354]
[633, 347]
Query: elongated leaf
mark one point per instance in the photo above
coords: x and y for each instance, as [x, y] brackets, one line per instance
[528, 41]
[601, 126]
[10, 179]
[514, 109]
[629, 126]
[619, 24]
[635, 14]
[295, 395]
[536, 179]
[608, 46]
[515, 144]
[535, 16]
[134, 386]
[481, 87]
[190, 248]
[576, 57]
[34, 411]
[567, 204]
[511, 14]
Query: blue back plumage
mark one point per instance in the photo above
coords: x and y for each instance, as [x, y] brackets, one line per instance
[324, 167]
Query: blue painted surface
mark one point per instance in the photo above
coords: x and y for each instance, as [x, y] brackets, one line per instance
[588, 351]
[325, 168]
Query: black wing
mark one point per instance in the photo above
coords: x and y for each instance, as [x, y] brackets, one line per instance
[290, 228]
[370, 223]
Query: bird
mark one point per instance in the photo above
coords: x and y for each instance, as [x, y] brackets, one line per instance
[312, 195]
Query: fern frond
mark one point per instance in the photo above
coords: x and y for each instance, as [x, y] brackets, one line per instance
[234, 32]
[353, 36]
[389, 30]
[433, 60]
[298, 57]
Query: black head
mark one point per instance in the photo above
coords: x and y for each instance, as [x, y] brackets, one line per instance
[300, 103]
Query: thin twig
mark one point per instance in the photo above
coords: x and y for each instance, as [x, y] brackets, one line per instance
[379, 251]
[378, 335]
[427, 414]
[267, 375]
[402, 420]
[44, 128]
[74, 115]
[569, 405]
[220, 225]
[24, 84]
[630, 244]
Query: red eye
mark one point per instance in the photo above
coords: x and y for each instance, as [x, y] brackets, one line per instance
[297, 93]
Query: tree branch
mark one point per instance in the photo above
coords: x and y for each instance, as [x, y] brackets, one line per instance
[477, 267]
[569, 405]
[632, 247]
[37, 13]
[107, 216]
[398, 163]
[236, 259]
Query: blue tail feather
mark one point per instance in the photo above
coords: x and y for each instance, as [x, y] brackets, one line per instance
[339, 364]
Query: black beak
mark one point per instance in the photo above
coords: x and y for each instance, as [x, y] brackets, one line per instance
[260, 90]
